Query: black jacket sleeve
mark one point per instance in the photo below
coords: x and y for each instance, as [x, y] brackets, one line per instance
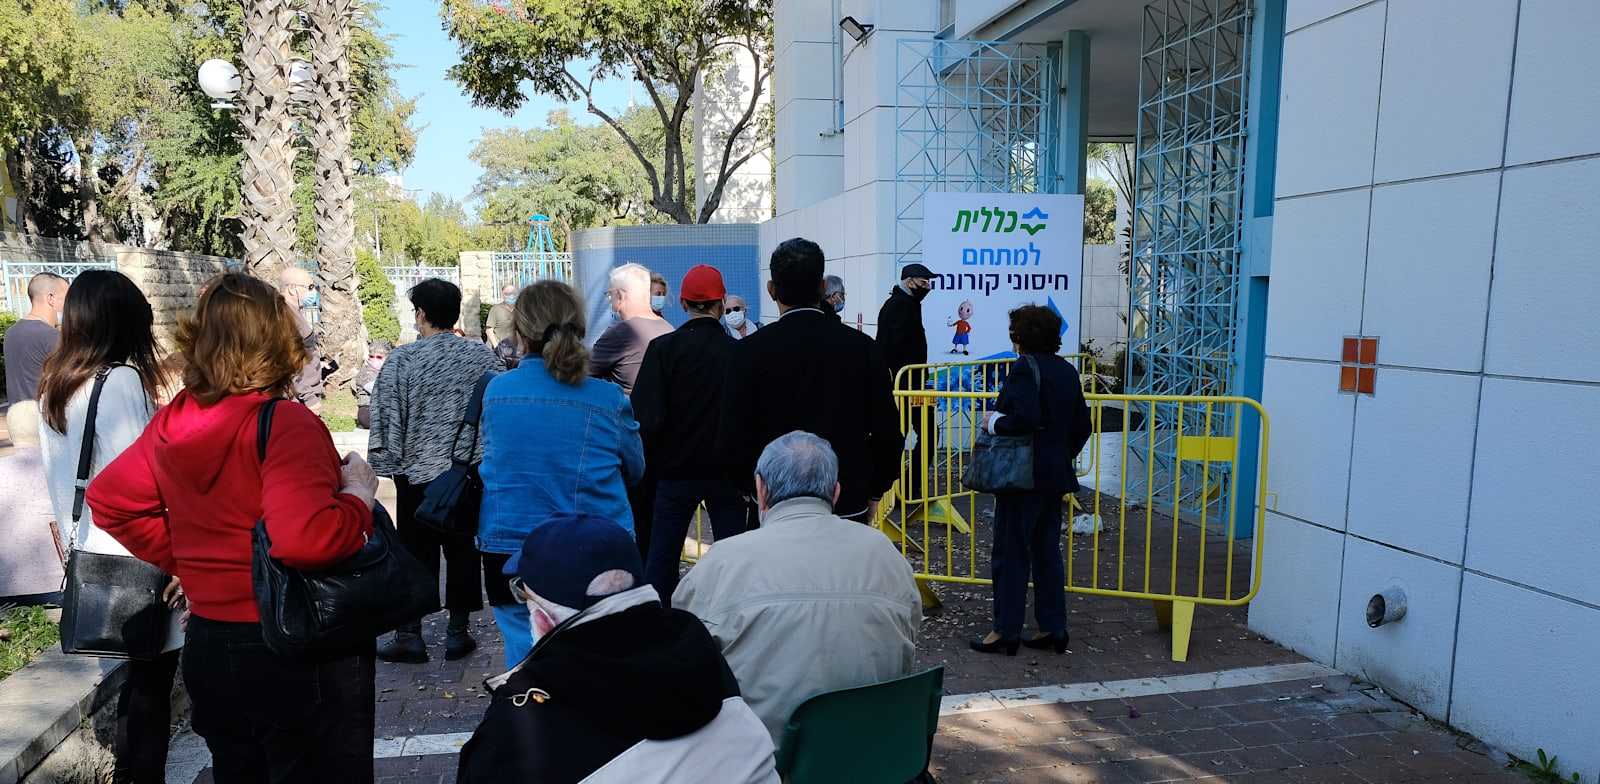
[734, 434]
[884, 421]
[649, 396]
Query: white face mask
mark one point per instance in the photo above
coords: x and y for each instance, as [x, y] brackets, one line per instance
[658, 303]
[736, 319]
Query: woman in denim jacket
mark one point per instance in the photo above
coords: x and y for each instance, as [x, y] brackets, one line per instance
[554, 439]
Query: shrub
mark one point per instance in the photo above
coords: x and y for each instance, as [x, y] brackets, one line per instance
[7, 318]
[377, 299]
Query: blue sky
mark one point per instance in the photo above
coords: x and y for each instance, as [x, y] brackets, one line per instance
[450, 124]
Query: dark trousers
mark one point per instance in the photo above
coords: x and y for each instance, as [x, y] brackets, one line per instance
[269, 718]
[642, 500]
[675, 502]
[144, 720]
[463, 591]
[1027, 537]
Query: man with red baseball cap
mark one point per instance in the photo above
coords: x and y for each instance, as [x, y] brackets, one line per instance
[678, 402]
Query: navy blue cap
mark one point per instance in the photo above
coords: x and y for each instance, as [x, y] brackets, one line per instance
[563, 554]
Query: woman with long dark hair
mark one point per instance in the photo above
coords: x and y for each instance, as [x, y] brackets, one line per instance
[106, 325]
[186, 496]
[554, 440]
[1044, 397]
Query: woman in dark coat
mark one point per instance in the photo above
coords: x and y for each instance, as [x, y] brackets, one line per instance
[1027, 525]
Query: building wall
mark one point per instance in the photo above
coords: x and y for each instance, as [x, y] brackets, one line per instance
[170, 280]
[1436, 185]
[720, 102]
[808, 150]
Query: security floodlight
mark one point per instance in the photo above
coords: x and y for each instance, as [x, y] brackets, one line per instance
[855, 29]
[220, 80]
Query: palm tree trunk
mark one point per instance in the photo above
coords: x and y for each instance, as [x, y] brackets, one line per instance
[269, 211]
[342, 329]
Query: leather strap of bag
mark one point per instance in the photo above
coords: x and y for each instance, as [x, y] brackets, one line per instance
[471, 416]
[86, 452]
[264, 428]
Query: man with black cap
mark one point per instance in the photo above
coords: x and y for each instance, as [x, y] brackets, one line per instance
[677, 399]
[905, 342]
[617, 688]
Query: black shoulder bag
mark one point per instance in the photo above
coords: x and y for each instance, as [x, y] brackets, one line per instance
[110, 604]
[339, 610]
[1003, 464]
[452, 500]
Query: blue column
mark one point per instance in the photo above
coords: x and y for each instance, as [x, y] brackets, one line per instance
[1074, 166]
[1261, 160]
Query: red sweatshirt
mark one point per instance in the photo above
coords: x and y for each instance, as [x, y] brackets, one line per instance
[187, 493]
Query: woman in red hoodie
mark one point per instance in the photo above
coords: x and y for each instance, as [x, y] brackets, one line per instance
[185, 496]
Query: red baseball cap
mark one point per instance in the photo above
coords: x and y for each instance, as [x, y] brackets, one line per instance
[703, 284]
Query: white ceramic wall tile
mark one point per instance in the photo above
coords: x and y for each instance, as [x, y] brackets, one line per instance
[802, 127]
[1412, 657]
[1428, 267]
[1555, 101]
[804, 72]
[802, 20]
[1542, 315]
[1319, 247]
[1533, 512]
[1411, 477]
[1308, 464]
[1446, 78]
[1525, 673]
[1300, 570]
[914, 17]
[1300, 13]
[870, 139]
[814, 178]
[1329, 112]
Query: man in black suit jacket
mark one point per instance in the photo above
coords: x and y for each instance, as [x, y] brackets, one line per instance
[807, 371]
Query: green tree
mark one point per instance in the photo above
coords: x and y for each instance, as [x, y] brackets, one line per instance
[40, 50]
[1099, 213]
[377, 299]
[580, 176]
[562, 49]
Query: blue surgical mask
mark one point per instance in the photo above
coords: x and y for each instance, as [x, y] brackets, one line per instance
[658, 303]
[511, 299]
[839, 308]
[310, 300]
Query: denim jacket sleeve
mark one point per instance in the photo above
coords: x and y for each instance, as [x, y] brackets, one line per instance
[631, 447]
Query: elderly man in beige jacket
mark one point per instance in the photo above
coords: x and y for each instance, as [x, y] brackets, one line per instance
[809, 602]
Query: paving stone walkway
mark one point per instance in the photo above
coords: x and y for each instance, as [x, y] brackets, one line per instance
[1114, 709]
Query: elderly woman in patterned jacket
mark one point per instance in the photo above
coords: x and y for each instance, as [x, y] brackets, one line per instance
[419, 397]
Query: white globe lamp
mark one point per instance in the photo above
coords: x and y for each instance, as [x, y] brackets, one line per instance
[220, 80]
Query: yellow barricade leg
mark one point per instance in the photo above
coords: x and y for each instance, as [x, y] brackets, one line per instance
[930, 600]
[941, 512]
[1177, 616]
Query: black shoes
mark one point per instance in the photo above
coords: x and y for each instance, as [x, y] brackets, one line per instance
[457, 644]
[1007, 644]
[1049, 641]
[404, 648]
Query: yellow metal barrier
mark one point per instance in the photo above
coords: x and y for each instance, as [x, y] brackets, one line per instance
[1159, 477]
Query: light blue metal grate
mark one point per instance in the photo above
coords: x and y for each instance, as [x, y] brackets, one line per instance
[1188, 207]
[537, 261]
[970, 116]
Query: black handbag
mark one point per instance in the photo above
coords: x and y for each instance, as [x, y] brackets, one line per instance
[110, 604]
[452, 500]
[1002, 464]
[339, 610]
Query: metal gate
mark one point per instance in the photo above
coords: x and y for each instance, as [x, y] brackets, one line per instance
[1187, 223]
[970, 116]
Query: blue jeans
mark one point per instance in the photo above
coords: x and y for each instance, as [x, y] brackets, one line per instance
[516, 631]
[1027, 536]
[269, 718]
[676, 500]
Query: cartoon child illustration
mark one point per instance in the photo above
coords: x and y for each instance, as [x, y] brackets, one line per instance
[963, 336]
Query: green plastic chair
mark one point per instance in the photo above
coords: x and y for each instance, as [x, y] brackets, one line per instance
[876, 734]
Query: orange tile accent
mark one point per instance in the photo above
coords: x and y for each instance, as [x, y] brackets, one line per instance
[1369, 351]
[1365, 378]
[1347, 379]
[1350, 350]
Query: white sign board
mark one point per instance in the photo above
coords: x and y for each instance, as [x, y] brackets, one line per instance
[990, 253]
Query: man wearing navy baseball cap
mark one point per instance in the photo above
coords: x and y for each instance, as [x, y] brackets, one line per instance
[617, 687]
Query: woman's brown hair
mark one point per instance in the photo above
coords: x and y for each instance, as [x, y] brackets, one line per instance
[1036, 329]
[242, 338]
[106, 320]
[549, 319]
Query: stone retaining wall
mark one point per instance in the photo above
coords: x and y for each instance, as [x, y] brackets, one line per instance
[170, 280]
